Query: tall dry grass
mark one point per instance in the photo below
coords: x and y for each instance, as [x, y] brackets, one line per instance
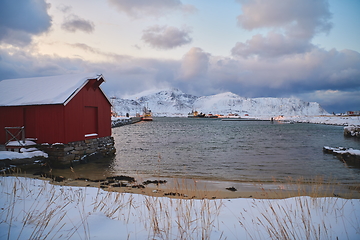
[304, 218]
[47, 212]
[34, 209]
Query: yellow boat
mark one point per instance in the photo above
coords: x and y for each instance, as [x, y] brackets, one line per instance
[147, 116]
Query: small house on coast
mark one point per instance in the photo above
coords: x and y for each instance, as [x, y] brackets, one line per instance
[69, 116]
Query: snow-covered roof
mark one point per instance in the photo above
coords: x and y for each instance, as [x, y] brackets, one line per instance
[43, 90]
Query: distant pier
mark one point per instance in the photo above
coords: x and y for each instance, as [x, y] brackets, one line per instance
[117, 122]
[243, 119]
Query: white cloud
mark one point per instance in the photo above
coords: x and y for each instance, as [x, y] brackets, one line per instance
[189, 9]
[317, 70]
[64, 8]
[194, 64]
[74, 23]
[166, 37]
[299, 18]
[200, 73]
[291, 25]
[146, 8]
[273, 45]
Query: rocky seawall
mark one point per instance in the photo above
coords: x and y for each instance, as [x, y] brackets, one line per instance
[347, 155]
[352, 131]
[64, 155]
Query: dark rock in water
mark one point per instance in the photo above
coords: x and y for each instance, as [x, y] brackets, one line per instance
[173, 194]
[59, 178]
[119, 185]
[157, 182]
[97, 180]
[138, 186]
[122, 178]
[231, 189]
[82, 179]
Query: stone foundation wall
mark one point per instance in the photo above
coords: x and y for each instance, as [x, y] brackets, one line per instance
[63, 155]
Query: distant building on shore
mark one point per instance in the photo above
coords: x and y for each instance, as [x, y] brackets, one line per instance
[353, 113]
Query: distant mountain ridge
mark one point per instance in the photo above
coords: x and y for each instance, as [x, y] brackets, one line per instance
[173, 102]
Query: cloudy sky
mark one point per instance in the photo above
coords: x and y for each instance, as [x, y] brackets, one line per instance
[308, 49]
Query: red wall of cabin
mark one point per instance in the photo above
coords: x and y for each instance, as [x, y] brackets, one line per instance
[44, 122]
[10, 117]
[77, 118]
[59, 123]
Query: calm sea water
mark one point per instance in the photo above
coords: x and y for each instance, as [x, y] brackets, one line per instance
[231, 150]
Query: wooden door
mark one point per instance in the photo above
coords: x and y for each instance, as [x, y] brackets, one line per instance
[91, 121]
[30, 122]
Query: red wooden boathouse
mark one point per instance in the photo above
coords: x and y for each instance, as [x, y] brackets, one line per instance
[56, 109]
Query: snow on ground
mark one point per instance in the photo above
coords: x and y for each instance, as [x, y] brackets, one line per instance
[35, 209]
[24, 153]
[226, 103]
[21, 143]
[326, 119]
[342, 150]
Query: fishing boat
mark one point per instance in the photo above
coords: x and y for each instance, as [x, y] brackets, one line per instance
[147, 115]
[195, 114]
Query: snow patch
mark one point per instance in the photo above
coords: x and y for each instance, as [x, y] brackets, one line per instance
[342, 150]
[23, 154]
[20, 143]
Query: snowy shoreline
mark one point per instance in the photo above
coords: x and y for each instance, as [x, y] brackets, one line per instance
[34, 209]
[323, 119]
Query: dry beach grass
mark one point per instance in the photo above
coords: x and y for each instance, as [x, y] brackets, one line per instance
[50, 214]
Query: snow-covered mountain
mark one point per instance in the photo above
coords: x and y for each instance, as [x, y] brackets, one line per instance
[225, 103]
[173, 102]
